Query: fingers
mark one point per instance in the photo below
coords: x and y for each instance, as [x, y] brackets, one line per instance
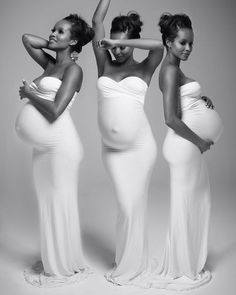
[99, 44]
[21, 92]
[210, 106]
[209, 103]
[103, 43]
[22, 89]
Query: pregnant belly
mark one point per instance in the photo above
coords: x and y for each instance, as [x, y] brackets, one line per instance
[120, 125]
[204, 122]
[32, 127]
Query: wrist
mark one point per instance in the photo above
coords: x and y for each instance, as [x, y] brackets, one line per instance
[47, 44]
[200, 143]
[116, 43]
[44, 44]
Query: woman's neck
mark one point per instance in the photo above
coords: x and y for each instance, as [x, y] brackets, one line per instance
[63, 57]
[172, 59]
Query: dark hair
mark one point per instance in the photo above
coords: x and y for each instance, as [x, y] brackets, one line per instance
[80, 31]
[129, 23]
[170, 24]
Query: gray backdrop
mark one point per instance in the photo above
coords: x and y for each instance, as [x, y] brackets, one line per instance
[212, 63]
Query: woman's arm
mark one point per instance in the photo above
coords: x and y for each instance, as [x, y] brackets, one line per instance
[34, 46]
[154, 46]
[71, 83]
[170, 90]
[98, 27]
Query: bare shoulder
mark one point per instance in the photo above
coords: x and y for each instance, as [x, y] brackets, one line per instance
[74, 69]
[74, 72]
[73, 75]
[169, 74]
[169, 70]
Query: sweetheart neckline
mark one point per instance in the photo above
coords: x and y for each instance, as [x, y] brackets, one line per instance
[50, 77]
[124, 79]
[188, 83]
[47, 77]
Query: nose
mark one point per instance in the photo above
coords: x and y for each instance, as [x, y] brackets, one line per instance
[53, 34]
[188, 47]
[117, 50]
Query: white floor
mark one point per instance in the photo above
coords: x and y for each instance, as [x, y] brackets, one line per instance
[19, 243]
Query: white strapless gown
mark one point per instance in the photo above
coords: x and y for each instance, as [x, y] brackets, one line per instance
[186, 247]
[57, 153]
[129, 154]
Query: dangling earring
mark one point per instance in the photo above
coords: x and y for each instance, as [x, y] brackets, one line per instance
[168, 43]
[74, 55]
[169, 46]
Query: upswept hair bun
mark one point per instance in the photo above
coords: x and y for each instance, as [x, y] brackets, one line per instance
[80, 31]
[170, 24]
[129, 23]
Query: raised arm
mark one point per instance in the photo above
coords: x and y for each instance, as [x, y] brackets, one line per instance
[154, 46]
[35, 45]
[71, 82]
[98, 26]
[170, 90]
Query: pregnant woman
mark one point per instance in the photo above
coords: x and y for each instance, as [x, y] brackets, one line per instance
[46, 124]
[129, 149]
[193, 127]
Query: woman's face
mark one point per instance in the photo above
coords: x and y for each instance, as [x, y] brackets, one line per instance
[182, 45]
[121, 53]
[60, 38]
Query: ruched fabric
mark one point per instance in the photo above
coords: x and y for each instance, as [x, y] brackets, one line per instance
[129, 154]
[57, 154]
[186, 247]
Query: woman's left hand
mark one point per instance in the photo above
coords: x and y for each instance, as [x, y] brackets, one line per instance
[208, 101]
[24, 90]
[106, 43]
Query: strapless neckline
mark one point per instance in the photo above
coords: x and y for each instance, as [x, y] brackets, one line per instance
[122, 80]
[46, 77]
[46, 87]
[187, 84]
[51, 77]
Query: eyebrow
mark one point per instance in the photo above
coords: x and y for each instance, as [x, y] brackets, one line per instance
[61, 28]
[184, 39]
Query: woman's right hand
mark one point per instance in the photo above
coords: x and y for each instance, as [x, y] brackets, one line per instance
[24, 90]
[106, 43]
[205, 145]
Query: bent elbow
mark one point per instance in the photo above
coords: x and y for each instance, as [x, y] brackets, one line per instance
[56, 112]
[25, 38]
[54, 116]
[170, 122]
